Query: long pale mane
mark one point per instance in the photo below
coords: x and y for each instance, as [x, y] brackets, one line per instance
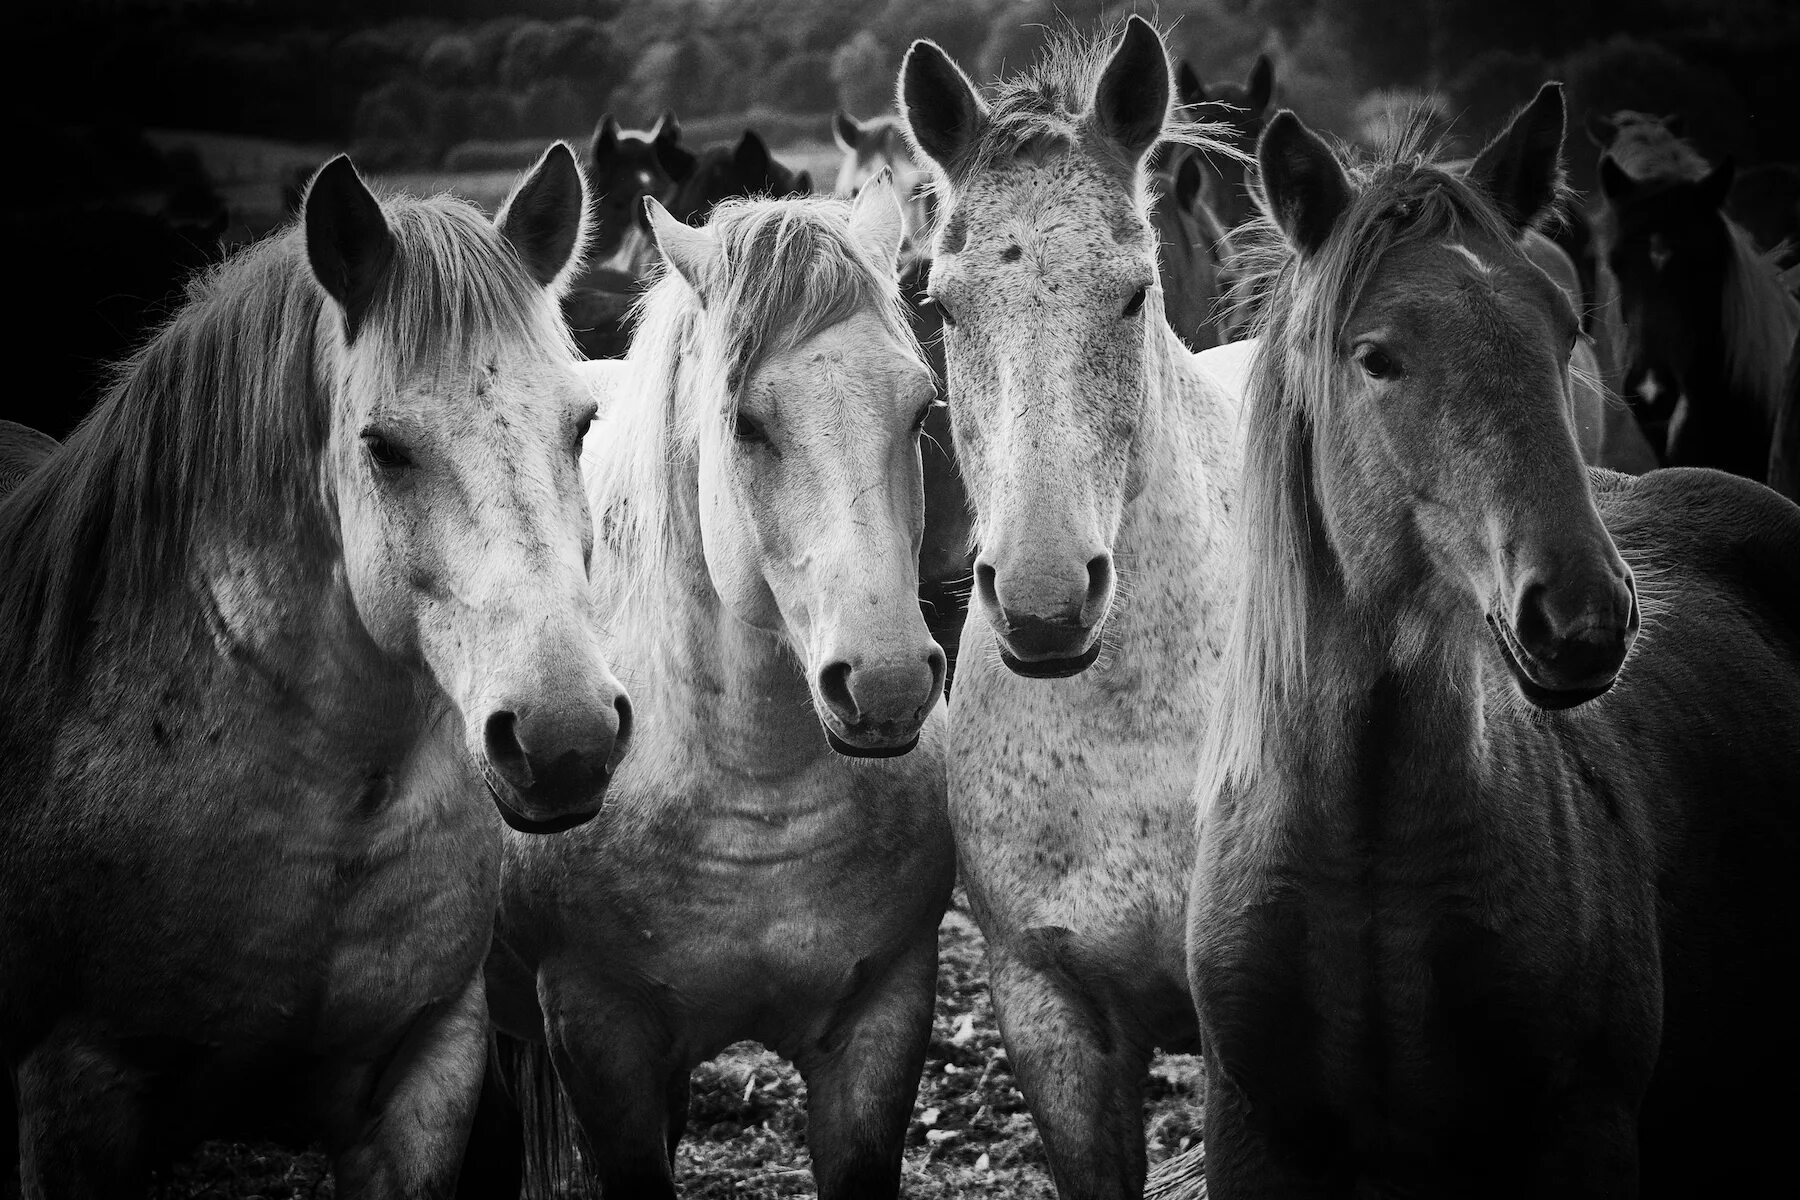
[219, 423]
[788, 269]
[1402, 194]
[1761, 318]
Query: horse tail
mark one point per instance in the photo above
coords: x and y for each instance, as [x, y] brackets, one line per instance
[555, 1159]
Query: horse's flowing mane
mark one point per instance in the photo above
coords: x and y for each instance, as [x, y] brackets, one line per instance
[788, 269]
[1761, 318]
[220, 421]
[1402, 193]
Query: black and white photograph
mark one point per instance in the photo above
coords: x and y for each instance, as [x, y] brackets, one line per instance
[1024, 599]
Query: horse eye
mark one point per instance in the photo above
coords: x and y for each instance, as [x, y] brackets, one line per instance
[943, 311]
[918, 424]
[384, 453]
[1134, 305]
[1376, 363]
[747, 428]
[581, 432]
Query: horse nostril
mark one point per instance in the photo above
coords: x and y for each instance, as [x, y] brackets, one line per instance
[1100, 581]
[500, 738]
[1531, 623]
[984, 585]
[621, 739]
[939, 668]
[834, 686]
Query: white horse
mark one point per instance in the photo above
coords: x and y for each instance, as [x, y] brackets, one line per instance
[1102, 467]
[777, 856]
[306, 588]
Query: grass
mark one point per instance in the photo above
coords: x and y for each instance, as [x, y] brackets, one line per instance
[970, 1134]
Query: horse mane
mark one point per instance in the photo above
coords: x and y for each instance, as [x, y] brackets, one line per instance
[1761, 318]
[1045, 107]
[1402, 193]
[219, 422]
[790, 269]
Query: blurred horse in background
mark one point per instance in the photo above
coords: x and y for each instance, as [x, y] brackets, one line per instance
[1244, 108]
[286, 619]
[1707, 324]
[776, 858]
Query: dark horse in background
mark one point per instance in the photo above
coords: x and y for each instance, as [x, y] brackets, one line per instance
[624, 166]
[1707, 324]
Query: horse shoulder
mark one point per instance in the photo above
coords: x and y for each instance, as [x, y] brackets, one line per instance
[1226, 368]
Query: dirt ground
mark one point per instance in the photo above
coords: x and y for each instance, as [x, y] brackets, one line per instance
[971, 1134]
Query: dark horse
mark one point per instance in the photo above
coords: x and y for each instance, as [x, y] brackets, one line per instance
[1494, 894]
[721, 172]
[1707, 323]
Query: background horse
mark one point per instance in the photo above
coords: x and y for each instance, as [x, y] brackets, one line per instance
[722, 172]
[1086, 440]
[1707, 325]
[1478, 912]
[1243, 109]
[307, 586]
[777, 858]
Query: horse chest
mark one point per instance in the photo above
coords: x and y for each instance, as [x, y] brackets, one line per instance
[273, 898]
[1365, 986]
[743, 907]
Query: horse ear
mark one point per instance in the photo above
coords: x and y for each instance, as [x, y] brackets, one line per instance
[1189, 91]
[1715, 185]
[690, 251]
[1615, 184]
[545, 218]
[1261, 88]
[1304, 188]
[752, 155]
[1521, 170]
[1601, 129]
[1188, 181]
[944, 113]
[667, 128]
[348, 241]
[845, 131]
[876, 221]
[1131, 101]
[606, 138]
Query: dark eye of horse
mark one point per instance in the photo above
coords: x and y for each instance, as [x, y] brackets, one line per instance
[1135, 305]
[384, 453]
[1377, 364]
[943, 312]
[748, 429]
[581, 432]
[918, 425]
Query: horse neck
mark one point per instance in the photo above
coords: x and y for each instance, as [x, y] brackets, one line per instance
[1174, 530]
[724, 696]
[285, 627]
[1388, 713]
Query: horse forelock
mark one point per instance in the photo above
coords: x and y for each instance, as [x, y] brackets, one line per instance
[1401, 195]
[220, 421]
[787, 270]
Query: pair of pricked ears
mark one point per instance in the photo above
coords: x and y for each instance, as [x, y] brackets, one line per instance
[1130, 108]
[351, 247]
[695, 254]
[664, 138]
[1306, 190]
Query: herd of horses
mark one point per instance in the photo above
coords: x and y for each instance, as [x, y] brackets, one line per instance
[468, 672]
